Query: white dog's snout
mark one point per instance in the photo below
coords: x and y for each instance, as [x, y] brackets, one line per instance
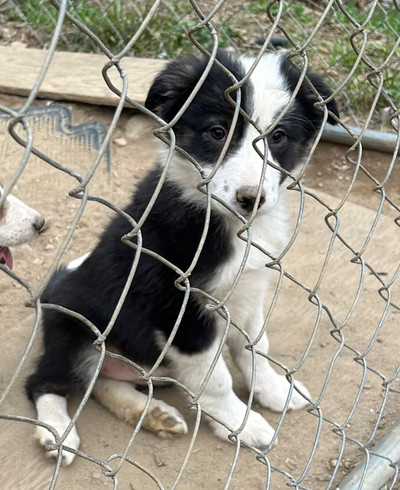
[39, 223]
[20, 223]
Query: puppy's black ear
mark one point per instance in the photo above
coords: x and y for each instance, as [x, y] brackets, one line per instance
[324, 91]
[172, 86]
[306, 96]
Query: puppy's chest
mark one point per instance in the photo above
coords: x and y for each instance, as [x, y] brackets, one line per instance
[247, 261]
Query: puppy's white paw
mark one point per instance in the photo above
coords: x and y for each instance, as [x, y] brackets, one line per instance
[52, 409]
[273, 394]
[45, 437]
[257, 431]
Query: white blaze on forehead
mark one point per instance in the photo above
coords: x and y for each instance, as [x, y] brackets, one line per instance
[270, 90]
[268, 96]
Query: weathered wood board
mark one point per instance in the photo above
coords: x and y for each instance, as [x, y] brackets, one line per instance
[73, 76]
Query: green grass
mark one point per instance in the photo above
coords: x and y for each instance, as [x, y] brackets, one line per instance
[166, 35]
[331, 45]
[383, 30]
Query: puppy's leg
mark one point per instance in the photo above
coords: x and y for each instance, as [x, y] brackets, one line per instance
[271, 388]
[52, 409]
[218, 398]
[127, 403]
[55, 378]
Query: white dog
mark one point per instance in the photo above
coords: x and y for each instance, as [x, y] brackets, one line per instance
[18, 224]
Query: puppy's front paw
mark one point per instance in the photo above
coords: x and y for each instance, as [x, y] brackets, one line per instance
[52, 409]
[165, 420]
[257, 431]
[273, 394]
[45, 437]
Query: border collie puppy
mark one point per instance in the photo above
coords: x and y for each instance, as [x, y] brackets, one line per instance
[225, 263]
[18, 224]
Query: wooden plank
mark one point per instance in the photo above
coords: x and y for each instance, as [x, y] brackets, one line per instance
[73, 76]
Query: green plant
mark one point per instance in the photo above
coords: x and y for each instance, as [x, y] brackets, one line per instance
[167, 34]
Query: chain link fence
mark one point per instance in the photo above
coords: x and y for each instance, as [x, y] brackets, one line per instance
[338, 314]
[359, 39]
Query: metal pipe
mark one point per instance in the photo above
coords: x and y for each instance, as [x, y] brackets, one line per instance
[372, 140]
[379, 470]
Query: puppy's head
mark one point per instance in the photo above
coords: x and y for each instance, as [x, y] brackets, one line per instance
[203, 128]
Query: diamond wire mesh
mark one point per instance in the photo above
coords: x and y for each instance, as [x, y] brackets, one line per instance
[242, 26]
[372, 69]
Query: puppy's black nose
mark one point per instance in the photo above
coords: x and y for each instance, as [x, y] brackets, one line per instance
[39, 223]
[246, 197]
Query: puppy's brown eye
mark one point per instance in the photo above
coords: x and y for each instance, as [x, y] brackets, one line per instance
[277, 137]
[218, 133]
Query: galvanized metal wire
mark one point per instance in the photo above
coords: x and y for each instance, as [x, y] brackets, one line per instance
[206, 25]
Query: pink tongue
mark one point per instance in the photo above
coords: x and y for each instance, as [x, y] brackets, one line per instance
[6, 257]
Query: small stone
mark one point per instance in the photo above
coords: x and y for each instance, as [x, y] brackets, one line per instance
[332, 72]
[290, 463]
[334, 463]
[158, 461]
[120, 141]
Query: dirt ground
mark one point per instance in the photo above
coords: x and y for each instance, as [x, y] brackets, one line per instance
[296, 329]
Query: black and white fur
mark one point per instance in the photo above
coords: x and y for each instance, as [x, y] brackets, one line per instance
[19, 224]
[93, 284]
